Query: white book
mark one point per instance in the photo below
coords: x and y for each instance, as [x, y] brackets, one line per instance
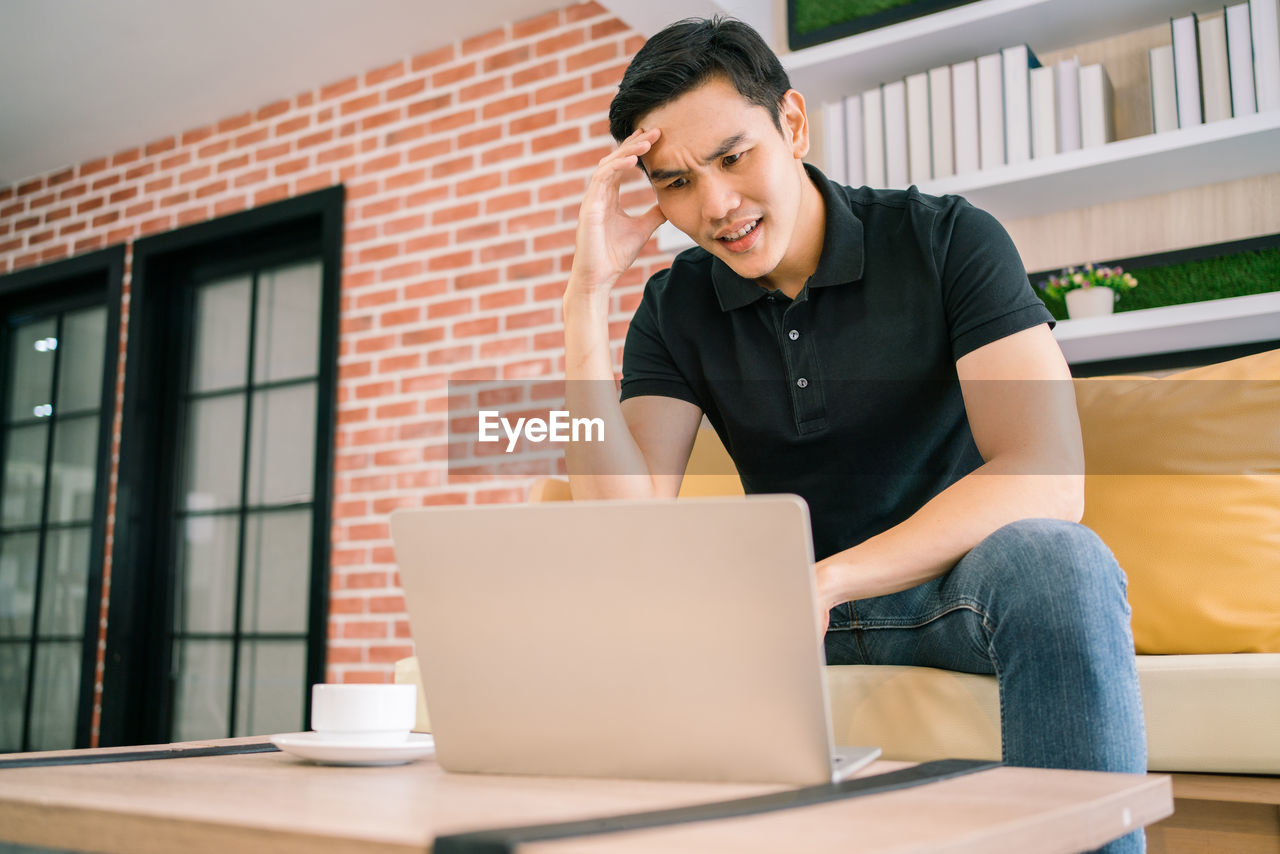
[991, 110]
[1069, 104]
[1164, 98]
[919, 137]
[940, 121]
[833, 147]
[1018, 62]
[873, 138]
[854, 161]
[1215, 79]
[1264, 21]
[1044, 112]
[897, 175]
[1240, 60]
[1096, 107]
[964, 112]
[1186, 70]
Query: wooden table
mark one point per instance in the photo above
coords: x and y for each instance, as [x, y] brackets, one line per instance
[273, 802]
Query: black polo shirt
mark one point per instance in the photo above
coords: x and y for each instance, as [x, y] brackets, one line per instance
[848, 394]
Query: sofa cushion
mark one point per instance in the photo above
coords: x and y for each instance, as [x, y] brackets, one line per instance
[1183, 483]
[1204, 713]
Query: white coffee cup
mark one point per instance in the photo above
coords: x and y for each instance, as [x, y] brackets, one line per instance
[365, 714]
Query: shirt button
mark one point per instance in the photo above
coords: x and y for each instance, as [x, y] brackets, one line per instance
[802, 382]
[793, 334]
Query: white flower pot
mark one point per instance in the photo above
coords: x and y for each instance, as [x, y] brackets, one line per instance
[1090, 302]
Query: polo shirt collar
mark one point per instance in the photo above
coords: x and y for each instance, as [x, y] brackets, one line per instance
[839, 263]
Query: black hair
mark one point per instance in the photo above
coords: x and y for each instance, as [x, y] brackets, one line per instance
[687, 54]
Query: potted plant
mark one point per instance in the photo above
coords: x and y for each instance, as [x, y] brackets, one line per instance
[1089, 291]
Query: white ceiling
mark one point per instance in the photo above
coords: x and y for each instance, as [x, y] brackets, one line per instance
[86, 78]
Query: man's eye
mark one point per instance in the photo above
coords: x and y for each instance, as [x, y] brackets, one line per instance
[730, 159]
[677, 184]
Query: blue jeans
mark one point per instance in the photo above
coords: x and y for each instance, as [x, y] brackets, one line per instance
[1041, 605]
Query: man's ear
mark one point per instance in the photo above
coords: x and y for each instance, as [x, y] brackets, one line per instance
[795, 123]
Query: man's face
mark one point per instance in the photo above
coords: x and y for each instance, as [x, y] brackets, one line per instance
[726, 176]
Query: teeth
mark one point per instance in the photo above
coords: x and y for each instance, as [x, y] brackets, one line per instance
[746, 229]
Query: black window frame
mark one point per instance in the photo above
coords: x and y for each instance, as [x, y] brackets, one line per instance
[93, 279]
[137, 700]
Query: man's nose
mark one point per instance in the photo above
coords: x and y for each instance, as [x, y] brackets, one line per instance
[719, 199]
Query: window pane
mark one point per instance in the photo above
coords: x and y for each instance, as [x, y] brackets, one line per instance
[32, 349]
[288, 323]
[207, 574]
[202, 695]
[83, 343]
[277, 572]
[75, 460]
[24, 474]
[13, 694]
[17, 583]
[215, 442]
[66, 574]
[273, 677]
[282, 458]
[220, 335]
[56, 696]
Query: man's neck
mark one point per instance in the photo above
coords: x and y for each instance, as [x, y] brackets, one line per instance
[802, 256]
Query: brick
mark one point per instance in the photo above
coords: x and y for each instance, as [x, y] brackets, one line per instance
[271, 194]
[479, 136]
[456, 213]
[484, 41]
[123, 195]
[570, 188]
[89, 244]
[433, 58]
[89, 205]
[450, 308]
[62, 177]
[53, 253]
[378, 253]
[318, 138]
[527, 319]
[270, 111]
[192, 215]
[271, 152]
[451, 355]
[559, 91]
[401, 180]
[175, 199]
[119, 159]
[92, 166]
[531, 172]
[193, 175]
[398, 365]
[382, 75]
[481, 326]
[402, 270]
[587, 159]
[503, 106]
[610, 76]
[213, 149]
[105, 181]
[533, 26]
[72, 228]
[581, 11]
[558, 139]
[338, 152]
[452, 261]
[380, 164]
[532, 122]
[591, 56]
[531, 269]
[453, 167]
[483, 89]
[292, 125]
[257, 176]
[406, 89]
[363, 629]
[105, 219]
[560, 42]
[71, 192]
[143, 207]
[428, 150]
[381, 207]
[503, 251]
[453, 121]
[506, 58]
[453, 74]
[288, 167]
[611, 27]
[508, 201]
[426, 242]
[142, 170]
[480, 231]
[529, 221]
[161, 145]
[235, 123]
[403, 224]
[363, 102]
[552, 241]
[511, 151]
[337, 90]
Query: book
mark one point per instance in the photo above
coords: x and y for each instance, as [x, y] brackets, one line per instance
[940, 121]
[991, 110]
[1264, 22]
[919, 136]
[833, 148]
[1244, 101]
[1044, 112]
[1186, 70]
[1069, 104]
[1215, 79]
[855, 162]
[1164, 98]
[964, 113]
[873, 138]
[1017, 62]
[1097, 100]
[894, 98]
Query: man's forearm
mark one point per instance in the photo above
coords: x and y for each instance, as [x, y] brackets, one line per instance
[613, 468]
[940, 533]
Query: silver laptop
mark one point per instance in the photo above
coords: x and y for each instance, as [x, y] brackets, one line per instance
[634, 639]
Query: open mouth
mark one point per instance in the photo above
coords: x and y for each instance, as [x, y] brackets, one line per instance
[744, 238]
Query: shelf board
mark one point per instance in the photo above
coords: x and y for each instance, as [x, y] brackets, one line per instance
[1171, 329]
[1131, 168]
[827, 72]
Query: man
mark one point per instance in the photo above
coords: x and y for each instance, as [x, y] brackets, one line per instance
[881, 354]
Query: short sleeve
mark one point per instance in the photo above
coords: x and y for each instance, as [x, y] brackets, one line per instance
[648, 367]
[985, 288]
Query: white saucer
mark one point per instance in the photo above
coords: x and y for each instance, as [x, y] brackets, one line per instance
[329, 751]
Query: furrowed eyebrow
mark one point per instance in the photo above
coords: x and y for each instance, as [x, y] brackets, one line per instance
[659, 175]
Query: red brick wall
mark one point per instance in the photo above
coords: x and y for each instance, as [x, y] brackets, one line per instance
[464, 167]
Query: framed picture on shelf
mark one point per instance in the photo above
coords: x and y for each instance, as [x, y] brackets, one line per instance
[811, 22]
